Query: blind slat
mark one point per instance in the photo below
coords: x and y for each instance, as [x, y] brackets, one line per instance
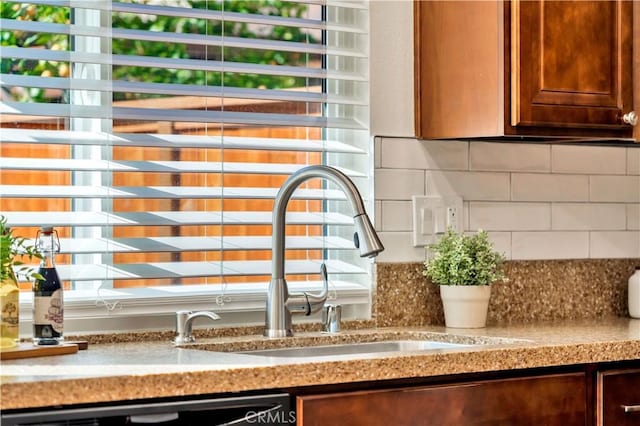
[173, 141]
[8, 80]
[185, 38]
[218, 15]
[168, 218]
[155, 166]
[151, 114]
[95, 4]
[189, 64]
[177, 270]
[159, 192]
[194, 244]
[210, 14]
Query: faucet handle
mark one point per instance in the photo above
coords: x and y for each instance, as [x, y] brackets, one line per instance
[315, 302]
[325, 277]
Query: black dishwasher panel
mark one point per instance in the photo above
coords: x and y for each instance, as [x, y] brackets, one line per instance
[263, 410]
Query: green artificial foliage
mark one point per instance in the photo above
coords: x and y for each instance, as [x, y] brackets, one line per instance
[459, 259]
[12, 249]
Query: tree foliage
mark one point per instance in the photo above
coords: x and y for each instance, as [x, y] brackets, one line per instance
[169, 24]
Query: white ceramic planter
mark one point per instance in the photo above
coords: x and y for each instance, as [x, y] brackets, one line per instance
[465, 306]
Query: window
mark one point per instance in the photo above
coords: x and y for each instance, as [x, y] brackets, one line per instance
[154, 134]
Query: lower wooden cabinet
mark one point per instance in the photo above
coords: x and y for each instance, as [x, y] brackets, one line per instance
[618, 398]
[557, 399]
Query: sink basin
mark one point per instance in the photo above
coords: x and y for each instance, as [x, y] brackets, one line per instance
[354, 344]
[356, 349]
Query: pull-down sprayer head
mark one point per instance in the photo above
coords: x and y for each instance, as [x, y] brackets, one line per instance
[365, 237]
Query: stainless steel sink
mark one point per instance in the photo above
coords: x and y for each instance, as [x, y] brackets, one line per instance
[356, 349]
[355, 344]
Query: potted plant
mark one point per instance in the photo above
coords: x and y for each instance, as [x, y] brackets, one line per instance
[464, 266]
[12, 249]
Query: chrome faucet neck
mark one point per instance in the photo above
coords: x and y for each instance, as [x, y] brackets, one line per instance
[282, 200]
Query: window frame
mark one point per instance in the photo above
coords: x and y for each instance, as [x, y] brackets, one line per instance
[149, 308]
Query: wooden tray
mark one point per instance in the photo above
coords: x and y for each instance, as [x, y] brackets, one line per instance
[29, 350]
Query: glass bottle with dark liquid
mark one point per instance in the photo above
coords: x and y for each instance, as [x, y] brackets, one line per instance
[48, 306]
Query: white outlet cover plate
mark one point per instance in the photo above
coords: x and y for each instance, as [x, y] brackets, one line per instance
[434, 204]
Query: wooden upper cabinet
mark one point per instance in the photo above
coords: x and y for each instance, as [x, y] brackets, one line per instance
[571, 63]
[523, 68]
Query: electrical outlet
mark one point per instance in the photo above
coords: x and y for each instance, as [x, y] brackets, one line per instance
[452, 217]
[453, 212]
[433, 215]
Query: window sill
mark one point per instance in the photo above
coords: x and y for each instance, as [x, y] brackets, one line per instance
[153, 308]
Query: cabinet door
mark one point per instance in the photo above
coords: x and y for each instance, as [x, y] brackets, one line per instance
[571, 63]
[541, 400]
[618, 398]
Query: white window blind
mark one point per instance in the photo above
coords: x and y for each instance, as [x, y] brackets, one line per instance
[154, 134]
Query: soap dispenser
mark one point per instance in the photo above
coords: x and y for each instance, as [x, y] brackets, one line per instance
[634, 294]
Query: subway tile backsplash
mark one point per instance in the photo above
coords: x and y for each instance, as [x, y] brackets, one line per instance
[633, 161]
[398, 184]
[441, 155]
[633, 217]
[614, 189]
[537, 201]
[396, 216]
[549, 187]
[614, 244]
[507, 216]
[502, 157]
[469, 185]
[550, 245]
[398, 247]
[588, 160]
[589, 216]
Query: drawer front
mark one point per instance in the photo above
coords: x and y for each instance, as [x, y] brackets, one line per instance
[618, 398]
[541, 400]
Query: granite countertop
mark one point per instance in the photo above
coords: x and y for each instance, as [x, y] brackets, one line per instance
[125, 371]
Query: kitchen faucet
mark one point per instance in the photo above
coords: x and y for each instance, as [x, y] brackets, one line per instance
[280, 304]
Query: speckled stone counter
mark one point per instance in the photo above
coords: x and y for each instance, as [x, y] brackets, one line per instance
[125, 371]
